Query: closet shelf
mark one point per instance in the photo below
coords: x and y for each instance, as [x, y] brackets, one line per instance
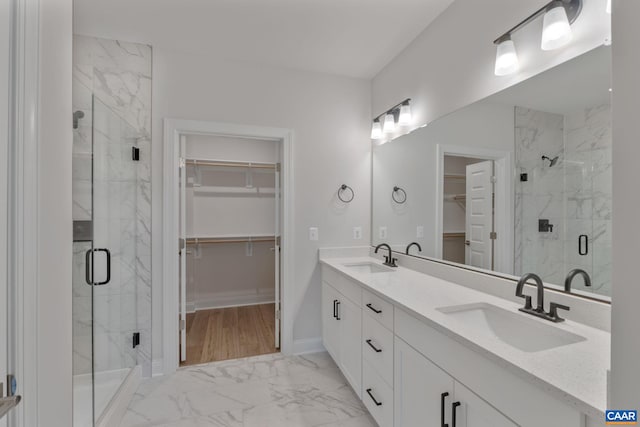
[455, 177]
[455, 197]
[231, 164]
[230, 239]
[454, 235]
[266, 191]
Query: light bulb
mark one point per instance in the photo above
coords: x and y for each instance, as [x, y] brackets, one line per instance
[389, 123]
[405, 114]
[609, 7]
[556, 30]
[376, 130]
[506, 58]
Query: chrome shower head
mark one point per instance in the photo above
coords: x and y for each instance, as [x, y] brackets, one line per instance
[552, 162]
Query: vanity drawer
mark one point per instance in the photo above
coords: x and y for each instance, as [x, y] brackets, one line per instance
[377, 348]
[378, 309]
[346, 287]
[377, 396]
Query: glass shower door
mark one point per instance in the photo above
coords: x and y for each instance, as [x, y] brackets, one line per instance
[104, 249]
[114, 254]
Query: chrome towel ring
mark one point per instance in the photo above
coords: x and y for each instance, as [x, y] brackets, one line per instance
[402, 195]
[341, 193]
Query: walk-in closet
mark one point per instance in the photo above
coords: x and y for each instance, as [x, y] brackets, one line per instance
[230, 256]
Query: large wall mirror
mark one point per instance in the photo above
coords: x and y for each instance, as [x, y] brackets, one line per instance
[516, 183]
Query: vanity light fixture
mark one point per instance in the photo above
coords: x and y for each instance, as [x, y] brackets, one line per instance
[399, 114]
[405, 114]
[389, 123]
[506, 57]
[558, 15]
[556, 29]
[376, 129]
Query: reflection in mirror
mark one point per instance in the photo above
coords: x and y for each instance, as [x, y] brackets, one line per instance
[519, 182]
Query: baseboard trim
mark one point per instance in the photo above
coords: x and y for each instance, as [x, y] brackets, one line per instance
[157, 367]
[308, 345]
[229, 301]
[119, 403]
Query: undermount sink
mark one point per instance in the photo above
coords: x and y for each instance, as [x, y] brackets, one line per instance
[367, 268]
[511, 327]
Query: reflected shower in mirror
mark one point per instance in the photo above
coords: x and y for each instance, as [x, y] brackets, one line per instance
[519, 182]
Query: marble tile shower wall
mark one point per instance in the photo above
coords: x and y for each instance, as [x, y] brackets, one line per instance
[574, 194]
[119, 75]
[538, 133]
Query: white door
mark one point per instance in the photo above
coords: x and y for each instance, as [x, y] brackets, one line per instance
[4, 184]
[183, 251]
[330, 332]
[479, 215]
[423, 392]
[350, 328]
[276, 250]
[475, 412]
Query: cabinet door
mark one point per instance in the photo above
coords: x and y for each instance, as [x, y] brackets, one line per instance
[350, 328]
[475, 412]
[330, 331]
[421, 389]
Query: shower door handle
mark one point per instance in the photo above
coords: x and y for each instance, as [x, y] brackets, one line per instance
[583, 244]
[89, 264]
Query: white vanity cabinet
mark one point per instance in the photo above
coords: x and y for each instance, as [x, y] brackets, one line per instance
[342, 327]
[408, 373]
[426, 395]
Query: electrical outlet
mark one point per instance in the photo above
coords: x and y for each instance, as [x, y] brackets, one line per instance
[382, 232]
[420, 231]
[357, 233]
[313, 233]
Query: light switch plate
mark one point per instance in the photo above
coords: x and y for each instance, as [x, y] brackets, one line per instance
[382, 232]
[357, 233]
[420, 232]
[313, 233]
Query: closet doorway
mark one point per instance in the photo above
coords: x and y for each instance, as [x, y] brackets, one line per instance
[229, 212]
[229, 262]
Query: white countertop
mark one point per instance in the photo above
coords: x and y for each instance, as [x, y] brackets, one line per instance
[574, 373]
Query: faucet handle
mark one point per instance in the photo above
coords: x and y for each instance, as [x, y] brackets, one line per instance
[553, 311]
[394, 262]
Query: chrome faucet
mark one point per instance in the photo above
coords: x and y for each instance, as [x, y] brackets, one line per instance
[389, 260]
[416, 244]
[573, 273]
[552, 315]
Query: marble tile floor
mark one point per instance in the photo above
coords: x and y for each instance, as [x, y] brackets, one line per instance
[263, 391]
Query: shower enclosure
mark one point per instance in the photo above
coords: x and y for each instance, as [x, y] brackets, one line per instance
[104, 253]
[564, 194]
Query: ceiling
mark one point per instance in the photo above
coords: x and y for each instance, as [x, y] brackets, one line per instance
[571, 86]
[354, 38]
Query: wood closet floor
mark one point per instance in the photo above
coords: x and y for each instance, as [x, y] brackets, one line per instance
[230, 333]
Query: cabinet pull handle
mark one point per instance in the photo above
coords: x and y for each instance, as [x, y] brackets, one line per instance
[377, 350]
[443, 397]
[373, 398]
[454, 406]
[373, 309]
[337, 310]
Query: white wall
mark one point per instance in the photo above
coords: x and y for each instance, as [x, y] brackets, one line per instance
[625, 340]
[330, 117]
[451, 63]
[54, 254]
